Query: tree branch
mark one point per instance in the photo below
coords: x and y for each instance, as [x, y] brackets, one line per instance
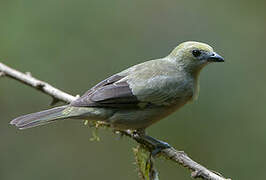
[44, 87]
[198, 171]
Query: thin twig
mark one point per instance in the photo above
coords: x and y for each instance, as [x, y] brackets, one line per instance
[44, 87]
[198, 171]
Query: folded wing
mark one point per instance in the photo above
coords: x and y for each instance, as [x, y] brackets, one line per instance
[108, 93]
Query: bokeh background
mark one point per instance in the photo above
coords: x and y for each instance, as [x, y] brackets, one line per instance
[74, 44]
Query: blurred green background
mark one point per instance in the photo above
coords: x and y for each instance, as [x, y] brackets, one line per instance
[74, 44]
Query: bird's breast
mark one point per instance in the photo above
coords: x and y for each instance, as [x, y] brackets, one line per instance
[181, 93]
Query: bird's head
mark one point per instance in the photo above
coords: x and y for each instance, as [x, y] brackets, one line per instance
[194, 55]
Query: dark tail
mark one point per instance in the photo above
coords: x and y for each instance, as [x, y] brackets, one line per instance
[39, 118]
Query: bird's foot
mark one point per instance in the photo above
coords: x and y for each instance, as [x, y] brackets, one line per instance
[156, 146]
[159, 147]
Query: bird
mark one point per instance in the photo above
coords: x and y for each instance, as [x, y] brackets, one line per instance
[138, 96]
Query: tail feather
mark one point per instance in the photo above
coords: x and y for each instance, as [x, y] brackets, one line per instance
[39, 118]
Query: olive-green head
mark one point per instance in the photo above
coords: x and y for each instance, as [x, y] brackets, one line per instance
[194, 55]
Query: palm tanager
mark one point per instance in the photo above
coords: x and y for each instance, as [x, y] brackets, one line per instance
[138, 96]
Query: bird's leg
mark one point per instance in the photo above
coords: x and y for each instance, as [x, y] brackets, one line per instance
[155, 145]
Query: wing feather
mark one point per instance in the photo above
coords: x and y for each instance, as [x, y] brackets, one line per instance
[108, 93]
[154, 83]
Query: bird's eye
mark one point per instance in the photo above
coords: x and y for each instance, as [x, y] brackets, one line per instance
[196, 53]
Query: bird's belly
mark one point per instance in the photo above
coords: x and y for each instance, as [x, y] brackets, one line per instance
[141, 118]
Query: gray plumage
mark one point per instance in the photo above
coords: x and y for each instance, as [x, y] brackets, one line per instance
[138, 96]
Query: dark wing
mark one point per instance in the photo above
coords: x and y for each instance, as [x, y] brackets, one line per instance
[108, 93]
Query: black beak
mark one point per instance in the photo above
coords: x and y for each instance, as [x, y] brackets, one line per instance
[214, 57]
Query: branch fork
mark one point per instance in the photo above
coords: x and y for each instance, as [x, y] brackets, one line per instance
[2, 74]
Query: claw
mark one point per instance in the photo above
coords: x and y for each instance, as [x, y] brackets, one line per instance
[159, 147]
[155, 145]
